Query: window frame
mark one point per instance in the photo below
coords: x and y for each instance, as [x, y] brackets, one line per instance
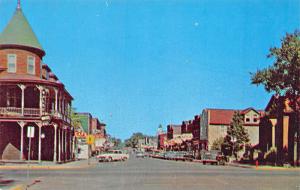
[28, 65]
[10, 63]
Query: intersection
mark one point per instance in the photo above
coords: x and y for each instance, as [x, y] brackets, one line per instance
[152, 173]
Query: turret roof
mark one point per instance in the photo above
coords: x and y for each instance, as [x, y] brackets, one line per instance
[19, 32]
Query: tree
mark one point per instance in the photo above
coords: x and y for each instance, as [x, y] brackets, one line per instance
[75, 119]
[117, 142]
[237, 136]
[283, 77]
[217, 143]
[133, 140]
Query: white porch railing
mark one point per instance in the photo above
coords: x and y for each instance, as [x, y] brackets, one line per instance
[32, 111]
[18, 111]
[10, 111]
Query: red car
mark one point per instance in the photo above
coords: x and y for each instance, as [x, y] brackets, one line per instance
[213, 158]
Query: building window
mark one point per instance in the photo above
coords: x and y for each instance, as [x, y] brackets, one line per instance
[247, 120]
[255, 120]
[31, 65]
[11, 63]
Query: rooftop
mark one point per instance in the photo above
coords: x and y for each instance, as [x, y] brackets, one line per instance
[19, 32]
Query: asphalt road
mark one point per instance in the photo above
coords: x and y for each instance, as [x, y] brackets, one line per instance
[146, 174]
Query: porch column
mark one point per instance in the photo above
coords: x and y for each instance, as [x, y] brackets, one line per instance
[66, 153]
[274, 122]
[70, 144]
[59, 145]
[41, 98]
[56, 96]
[22, 87]
[62, 144]
[21, 124]
[40, 141]
[55, 149]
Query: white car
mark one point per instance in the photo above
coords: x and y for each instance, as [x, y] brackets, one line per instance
[112, 155]
[140, 154]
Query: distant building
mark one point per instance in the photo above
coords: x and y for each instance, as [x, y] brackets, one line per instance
[89, 126]
[31, 95]
[161, 141]
[99, 132]
[173, 130]
[147, 143]
[215, 122]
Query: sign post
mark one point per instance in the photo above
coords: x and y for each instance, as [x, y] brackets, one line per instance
[90, 139]
[30, 134]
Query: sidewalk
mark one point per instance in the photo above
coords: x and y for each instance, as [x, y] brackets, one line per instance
[17, 165]
[78, 164]
[261, 167]
[265, 167]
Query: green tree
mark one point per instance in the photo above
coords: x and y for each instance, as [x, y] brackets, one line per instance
[75, 119]
[117, 142]
[236, 137]
[283, 77]
[217, 143]
[133, 140]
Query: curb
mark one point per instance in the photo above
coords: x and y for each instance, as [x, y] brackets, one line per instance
[277, 169]
[197, 161]
[241, 166]
[262, 168]
[45, 167]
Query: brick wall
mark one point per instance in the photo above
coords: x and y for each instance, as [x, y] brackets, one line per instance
[21, 61]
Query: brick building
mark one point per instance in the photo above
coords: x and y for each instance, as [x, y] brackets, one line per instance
[31, 95]
[173, 130]
[89, 126]
[161, 141]
[278, 131]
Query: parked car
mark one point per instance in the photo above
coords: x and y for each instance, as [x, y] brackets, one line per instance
[113, 155]
[180, 156]
[159, 155]
[170, 155]
[140, 154]
[213, 158]
[189, 157]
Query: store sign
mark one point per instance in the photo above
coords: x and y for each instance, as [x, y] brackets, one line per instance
[90, 139]
[184, 137]
[30, 132]
[80, 134]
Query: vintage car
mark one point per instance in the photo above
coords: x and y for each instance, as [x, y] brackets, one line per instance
[140, 154]
[213, 158]
[112, 155]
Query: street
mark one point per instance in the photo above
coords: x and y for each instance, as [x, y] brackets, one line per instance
[158, 174]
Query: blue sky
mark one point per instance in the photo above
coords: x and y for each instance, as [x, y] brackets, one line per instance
[136, 64]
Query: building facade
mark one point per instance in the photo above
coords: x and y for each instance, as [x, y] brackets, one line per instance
[278, 133]
[31, 96]
[89, 126]
[215, 122]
